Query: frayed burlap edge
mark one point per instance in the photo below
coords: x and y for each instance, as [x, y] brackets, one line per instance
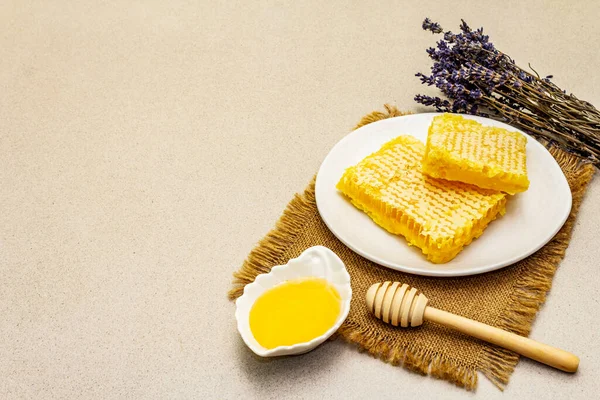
[498, 364]
[495, 363]
[411, 357]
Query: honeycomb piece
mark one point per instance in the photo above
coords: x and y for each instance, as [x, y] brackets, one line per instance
[438, 216]
[460, 149]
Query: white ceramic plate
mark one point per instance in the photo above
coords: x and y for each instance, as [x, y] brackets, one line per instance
[532, 218]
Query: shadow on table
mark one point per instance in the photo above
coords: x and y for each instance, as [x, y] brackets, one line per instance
[273, 372]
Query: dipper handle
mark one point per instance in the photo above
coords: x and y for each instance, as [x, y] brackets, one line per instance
[529, 348]
[402, 305]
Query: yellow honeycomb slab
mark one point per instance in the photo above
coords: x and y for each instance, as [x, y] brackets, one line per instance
[460, 149]
[438, 216]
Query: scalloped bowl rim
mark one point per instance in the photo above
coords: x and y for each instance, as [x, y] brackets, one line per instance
[303, 347]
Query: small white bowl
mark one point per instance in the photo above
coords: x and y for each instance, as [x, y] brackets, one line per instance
[317, 262]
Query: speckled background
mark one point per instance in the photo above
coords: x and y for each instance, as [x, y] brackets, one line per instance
[146, 146]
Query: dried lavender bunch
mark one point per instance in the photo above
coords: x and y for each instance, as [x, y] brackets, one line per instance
[479, 79]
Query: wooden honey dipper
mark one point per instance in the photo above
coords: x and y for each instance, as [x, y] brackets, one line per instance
[399, 304]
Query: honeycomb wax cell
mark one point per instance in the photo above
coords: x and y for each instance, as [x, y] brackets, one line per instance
[464, 150]
[439, 217]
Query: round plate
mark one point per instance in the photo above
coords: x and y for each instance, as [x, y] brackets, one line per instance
[532, 218]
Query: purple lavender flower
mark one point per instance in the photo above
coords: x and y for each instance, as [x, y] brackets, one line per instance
[525, 77]
[439, 104]
[469, 70]
[434, 27]
[473, 109]
[478, 79]
[460, 75]
[428, 80]
[475, 94]
[464, 27]
[488, 46]
[459, 105]
[449, 37]
[547, 78]
[432, 53]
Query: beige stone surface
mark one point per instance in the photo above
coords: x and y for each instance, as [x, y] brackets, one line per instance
[145, 147]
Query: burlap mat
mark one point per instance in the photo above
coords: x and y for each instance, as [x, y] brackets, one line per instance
[508, 298]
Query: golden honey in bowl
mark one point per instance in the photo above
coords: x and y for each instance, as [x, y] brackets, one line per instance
[294, 311]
